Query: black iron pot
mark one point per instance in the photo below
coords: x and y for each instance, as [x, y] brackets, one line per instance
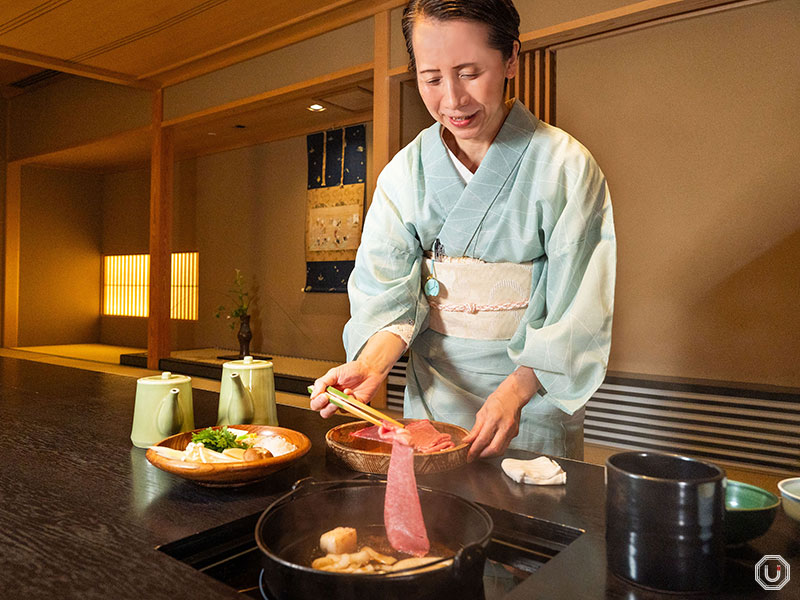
[288, 532]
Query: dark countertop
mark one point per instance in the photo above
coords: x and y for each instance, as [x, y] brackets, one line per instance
[82, 510]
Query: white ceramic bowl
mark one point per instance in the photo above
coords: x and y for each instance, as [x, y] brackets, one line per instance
[790, 490]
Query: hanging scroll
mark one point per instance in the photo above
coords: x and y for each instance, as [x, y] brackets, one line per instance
[337, 168]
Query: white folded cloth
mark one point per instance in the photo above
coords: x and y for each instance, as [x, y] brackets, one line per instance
[538, 471]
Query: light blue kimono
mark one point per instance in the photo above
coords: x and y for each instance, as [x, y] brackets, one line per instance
[537, 196]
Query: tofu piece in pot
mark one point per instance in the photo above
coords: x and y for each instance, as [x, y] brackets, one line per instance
[342, 540]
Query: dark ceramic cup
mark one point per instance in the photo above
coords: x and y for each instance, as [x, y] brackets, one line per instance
[665, 521]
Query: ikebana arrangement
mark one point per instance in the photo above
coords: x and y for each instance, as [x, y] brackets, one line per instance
[240, 299]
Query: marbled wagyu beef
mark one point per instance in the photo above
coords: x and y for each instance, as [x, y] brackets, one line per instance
[424, 438]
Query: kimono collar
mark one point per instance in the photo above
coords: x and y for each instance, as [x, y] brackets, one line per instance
[467, 206]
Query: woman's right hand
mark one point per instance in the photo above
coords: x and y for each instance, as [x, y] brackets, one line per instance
[361, 377]
[354, 378]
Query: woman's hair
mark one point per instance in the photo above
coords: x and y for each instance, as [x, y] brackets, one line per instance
[500, 17]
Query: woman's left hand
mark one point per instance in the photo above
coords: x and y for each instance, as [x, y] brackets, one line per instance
[497, 422]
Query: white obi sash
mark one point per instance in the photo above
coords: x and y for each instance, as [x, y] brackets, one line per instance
[477, 300]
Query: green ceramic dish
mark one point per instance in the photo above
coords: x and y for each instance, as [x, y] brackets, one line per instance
[749, 512]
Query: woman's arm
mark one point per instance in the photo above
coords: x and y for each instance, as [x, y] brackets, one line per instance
[497, 422]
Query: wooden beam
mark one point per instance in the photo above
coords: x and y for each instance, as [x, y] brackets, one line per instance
[73, 68]
[401, 73]
[161, 178]
[610, 20]
[12, 238]
[325, 19]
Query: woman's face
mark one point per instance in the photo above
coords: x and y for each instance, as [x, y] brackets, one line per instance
[460, 78]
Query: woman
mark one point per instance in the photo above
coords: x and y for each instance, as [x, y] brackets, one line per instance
[488, 250]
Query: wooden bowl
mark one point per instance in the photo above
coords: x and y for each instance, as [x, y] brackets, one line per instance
[370, 456]
[229, 474]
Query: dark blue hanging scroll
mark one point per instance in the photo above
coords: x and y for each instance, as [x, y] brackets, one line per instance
[337, 172]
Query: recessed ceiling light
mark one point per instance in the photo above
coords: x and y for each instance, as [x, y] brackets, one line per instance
[316, 107]
[211, 133]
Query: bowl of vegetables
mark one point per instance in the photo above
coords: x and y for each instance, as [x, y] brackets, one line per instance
[229, 456]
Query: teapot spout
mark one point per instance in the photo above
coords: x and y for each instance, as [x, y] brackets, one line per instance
[170, 416]
[240, 409]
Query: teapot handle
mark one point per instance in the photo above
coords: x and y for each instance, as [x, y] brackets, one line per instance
[169, 418]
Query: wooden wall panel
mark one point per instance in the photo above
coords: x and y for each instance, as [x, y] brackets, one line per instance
[12, 231]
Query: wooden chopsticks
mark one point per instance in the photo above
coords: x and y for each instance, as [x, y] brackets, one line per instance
[357, 408]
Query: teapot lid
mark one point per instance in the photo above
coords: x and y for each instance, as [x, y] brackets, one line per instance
[165, 378]
[248, 362]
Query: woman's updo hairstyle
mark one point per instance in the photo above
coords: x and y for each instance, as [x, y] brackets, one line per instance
[499, 15]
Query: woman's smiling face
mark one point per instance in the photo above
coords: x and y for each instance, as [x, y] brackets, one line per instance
[460, 78]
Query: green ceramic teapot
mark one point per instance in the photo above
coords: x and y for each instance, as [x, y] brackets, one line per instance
[163, 408]
[247, 393]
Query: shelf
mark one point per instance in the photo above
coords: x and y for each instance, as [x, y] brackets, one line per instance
[278, 114]
[125, 151]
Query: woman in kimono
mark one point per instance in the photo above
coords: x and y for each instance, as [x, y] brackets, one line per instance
[488, 250]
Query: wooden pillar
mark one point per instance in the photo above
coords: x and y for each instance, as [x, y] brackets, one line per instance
[549, 87]
[543, 89]
[524, 80]
[12, 238]
[385, 101]
[161, 176]
[538, 86]
[385, 119]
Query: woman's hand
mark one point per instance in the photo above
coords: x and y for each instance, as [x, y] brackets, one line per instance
[497, 422]
[361, 377]
[355, 378]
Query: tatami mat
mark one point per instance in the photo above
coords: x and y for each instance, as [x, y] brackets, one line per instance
[104, 353]
[285, 365]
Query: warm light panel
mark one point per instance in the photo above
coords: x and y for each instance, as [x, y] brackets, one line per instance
[126, 285]
[183, 290]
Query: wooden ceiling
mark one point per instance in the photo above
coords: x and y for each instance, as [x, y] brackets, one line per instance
[153, 43]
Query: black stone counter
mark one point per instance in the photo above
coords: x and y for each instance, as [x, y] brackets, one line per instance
[82, 510]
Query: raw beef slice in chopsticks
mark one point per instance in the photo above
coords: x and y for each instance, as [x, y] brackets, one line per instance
[402, 513]
[424, 436]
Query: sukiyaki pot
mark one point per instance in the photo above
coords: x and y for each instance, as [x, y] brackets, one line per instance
[338, 527]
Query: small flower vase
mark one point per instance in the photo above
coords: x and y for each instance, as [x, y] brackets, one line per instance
[244, 335]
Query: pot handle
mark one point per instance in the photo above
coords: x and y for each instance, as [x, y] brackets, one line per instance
[308, 485]
[466, 558]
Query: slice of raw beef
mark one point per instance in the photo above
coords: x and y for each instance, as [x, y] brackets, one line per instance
[402, 513]
[424, 437]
